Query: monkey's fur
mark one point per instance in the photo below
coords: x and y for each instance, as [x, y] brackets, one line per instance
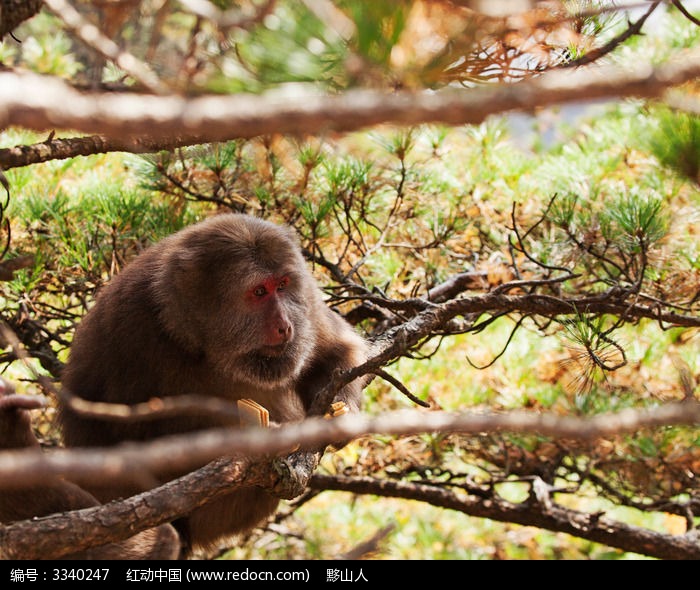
[59, 495]
[226, 308]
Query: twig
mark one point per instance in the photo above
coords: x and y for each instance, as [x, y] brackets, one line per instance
[685, 12]
[401, 387]
[633, 29]
[93, 37]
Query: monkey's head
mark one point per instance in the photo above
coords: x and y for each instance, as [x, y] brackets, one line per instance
[237, 290]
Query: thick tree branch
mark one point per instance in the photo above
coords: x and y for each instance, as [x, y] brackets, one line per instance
[396, 341]
[549, 515]
[56, 535]
[65, 533]
[41, 103]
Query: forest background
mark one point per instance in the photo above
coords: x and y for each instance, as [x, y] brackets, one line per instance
[502, 196]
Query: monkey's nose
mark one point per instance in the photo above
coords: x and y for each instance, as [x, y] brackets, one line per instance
[285, 333]
[281, 333]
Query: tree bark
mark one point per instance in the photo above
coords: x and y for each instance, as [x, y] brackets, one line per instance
[15, 12]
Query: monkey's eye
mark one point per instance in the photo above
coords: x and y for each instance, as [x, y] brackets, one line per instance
[283, 284]
[260, 291]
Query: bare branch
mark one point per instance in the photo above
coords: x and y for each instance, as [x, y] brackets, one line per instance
[118, 520]
[401, 387]
[592, 526]
[455, 285]
[153, 409]
[400, 339]
[77, 530]
[57, 148]
[56, 535]
[685, 12]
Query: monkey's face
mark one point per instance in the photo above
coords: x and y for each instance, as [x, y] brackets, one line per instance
[267, 327]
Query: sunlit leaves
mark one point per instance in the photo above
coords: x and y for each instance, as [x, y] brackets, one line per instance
[676, 142]
[635, 220]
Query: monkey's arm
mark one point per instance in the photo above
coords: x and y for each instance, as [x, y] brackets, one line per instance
[339, 348]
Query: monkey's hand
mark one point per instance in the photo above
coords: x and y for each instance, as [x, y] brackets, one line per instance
[338, 408]
[294, 471]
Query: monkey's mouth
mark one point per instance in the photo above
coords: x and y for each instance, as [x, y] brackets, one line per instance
[275, 351]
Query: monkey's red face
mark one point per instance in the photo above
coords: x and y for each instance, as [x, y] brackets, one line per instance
[267, 299]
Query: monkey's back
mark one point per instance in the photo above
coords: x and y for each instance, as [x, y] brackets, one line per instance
[121, 354]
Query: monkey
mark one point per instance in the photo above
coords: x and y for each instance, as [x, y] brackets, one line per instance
[226, 307]
[56, 494]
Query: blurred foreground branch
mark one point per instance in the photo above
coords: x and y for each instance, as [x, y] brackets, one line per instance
[64, 533]
[130, 460]
[43, 103]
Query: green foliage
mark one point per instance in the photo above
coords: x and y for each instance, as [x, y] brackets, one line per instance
[290, 45]
[599, 25]
[48, 50]
[675, 141]
[79, 233]
[379, 26]
[635, 220]
[348, 179]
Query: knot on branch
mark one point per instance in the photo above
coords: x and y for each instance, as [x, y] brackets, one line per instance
[294, 472]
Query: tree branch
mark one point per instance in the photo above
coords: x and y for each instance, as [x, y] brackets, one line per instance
[74, 531]
[548, 515]
[634, 28]
[41, 103]
[56, 535]
[15, 12]
[398, 340]
[58, 149]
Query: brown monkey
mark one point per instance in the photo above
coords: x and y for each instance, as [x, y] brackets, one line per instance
[58, 495]
[227, 308]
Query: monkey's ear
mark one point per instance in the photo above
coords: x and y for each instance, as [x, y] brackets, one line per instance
[176, 285]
